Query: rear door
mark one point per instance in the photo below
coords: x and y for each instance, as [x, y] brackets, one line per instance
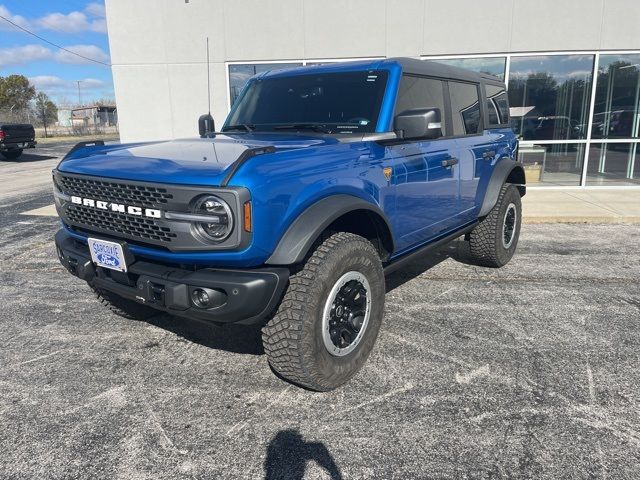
[485, 151]
[467, 129]
[426, 189]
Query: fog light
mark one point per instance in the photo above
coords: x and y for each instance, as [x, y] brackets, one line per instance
[200, 298]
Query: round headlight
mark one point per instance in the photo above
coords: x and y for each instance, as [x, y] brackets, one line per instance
[221, 223]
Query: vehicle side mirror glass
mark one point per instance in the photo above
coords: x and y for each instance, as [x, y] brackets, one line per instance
[418, 123]
[206, 124]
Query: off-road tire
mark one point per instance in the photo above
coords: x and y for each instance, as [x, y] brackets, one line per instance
[486, 244]
[12, 154]
[293, 337]
[123, 307]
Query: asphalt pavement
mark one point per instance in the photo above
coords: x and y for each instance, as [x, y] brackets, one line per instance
[529, 371]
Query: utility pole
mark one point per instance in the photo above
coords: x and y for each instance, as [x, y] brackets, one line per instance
[79, 94]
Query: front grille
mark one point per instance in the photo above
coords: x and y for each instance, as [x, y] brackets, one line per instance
[142, 228]
[105, 219]
[135, 195]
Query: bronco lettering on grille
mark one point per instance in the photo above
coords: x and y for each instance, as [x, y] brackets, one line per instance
[117, 207]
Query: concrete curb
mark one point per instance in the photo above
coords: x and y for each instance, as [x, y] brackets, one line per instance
[581, 219]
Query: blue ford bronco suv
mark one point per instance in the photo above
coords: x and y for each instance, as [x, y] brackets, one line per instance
[322, 180]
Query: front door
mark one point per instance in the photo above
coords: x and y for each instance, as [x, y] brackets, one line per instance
[425, 172]
[426, 180]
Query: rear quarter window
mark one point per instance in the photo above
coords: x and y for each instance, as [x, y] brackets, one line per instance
[497, 105]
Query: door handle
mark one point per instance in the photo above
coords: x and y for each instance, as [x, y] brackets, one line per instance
[489, 154]
[450, 162]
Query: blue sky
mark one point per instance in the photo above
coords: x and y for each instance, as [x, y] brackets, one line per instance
[77, 25]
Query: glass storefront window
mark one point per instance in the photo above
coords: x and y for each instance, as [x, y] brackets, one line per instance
[555, 164]
[614, 164]
[549, 96]
[239, 74]
[491, 65]
[617, 113]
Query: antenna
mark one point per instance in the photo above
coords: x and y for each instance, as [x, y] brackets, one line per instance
[208, 80]
[206, 125]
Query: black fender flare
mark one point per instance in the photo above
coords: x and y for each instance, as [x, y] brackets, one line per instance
[307, 227]
[505, 168]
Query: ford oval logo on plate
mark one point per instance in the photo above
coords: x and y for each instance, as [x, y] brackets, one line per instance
[107, 254]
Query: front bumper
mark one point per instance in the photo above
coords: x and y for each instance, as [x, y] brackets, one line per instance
[239, 296]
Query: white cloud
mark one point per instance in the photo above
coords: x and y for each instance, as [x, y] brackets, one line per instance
[73, 22]
[17, 19]
[65, 92]
[53, 83]
[99, 26]
[90, 51]
[23, 55]
[32, 53]
[96, 9]
[92, 83]
[44, 82]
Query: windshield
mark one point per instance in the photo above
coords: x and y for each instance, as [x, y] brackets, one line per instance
[344, 102]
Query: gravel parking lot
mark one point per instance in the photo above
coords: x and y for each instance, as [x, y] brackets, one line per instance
[530, 371]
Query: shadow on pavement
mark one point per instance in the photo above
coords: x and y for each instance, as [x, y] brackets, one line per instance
[31, 157]
[231, 338]
[288, 454]
[247, 339]
[457, 250]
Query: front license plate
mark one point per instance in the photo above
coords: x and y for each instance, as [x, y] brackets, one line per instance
[107, 254]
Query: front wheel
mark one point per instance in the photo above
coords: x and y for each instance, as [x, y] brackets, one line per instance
[12, 154]
[493, 241]
[329, 318]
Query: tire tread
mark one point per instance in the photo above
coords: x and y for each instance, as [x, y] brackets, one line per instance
[284, 333]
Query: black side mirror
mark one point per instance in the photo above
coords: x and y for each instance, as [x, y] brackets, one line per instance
[417, 123]
[206, 125]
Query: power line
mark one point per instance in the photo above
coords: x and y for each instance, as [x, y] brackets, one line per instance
[54, 44]
[51, 27]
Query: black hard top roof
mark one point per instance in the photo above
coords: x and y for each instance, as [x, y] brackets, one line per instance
[409, 65]
[435, 69]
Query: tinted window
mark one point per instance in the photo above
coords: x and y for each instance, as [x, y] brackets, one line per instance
[418, 92]
[497, 105]
[340, 102]
[240, 74]
[465, 108]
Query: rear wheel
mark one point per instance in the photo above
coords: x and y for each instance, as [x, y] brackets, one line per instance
[122, 306]
[12, 154]
[493, 241]
[329, 318]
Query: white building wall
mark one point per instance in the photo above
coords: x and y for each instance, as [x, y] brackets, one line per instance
[158, 46]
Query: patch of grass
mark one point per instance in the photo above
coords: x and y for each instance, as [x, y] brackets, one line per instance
[75, 138]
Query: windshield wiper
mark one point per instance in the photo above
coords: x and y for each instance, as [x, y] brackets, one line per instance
[240, 126]
[316, 127]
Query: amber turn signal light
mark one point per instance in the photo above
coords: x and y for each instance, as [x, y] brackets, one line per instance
[248, 227]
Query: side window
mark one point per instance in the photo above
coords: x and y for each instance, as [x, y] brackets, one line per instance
[465, 108]
[497, 105]
[420, 92]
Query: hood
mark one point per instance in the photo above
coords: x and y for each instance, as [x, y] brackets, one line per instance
[201, 161]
